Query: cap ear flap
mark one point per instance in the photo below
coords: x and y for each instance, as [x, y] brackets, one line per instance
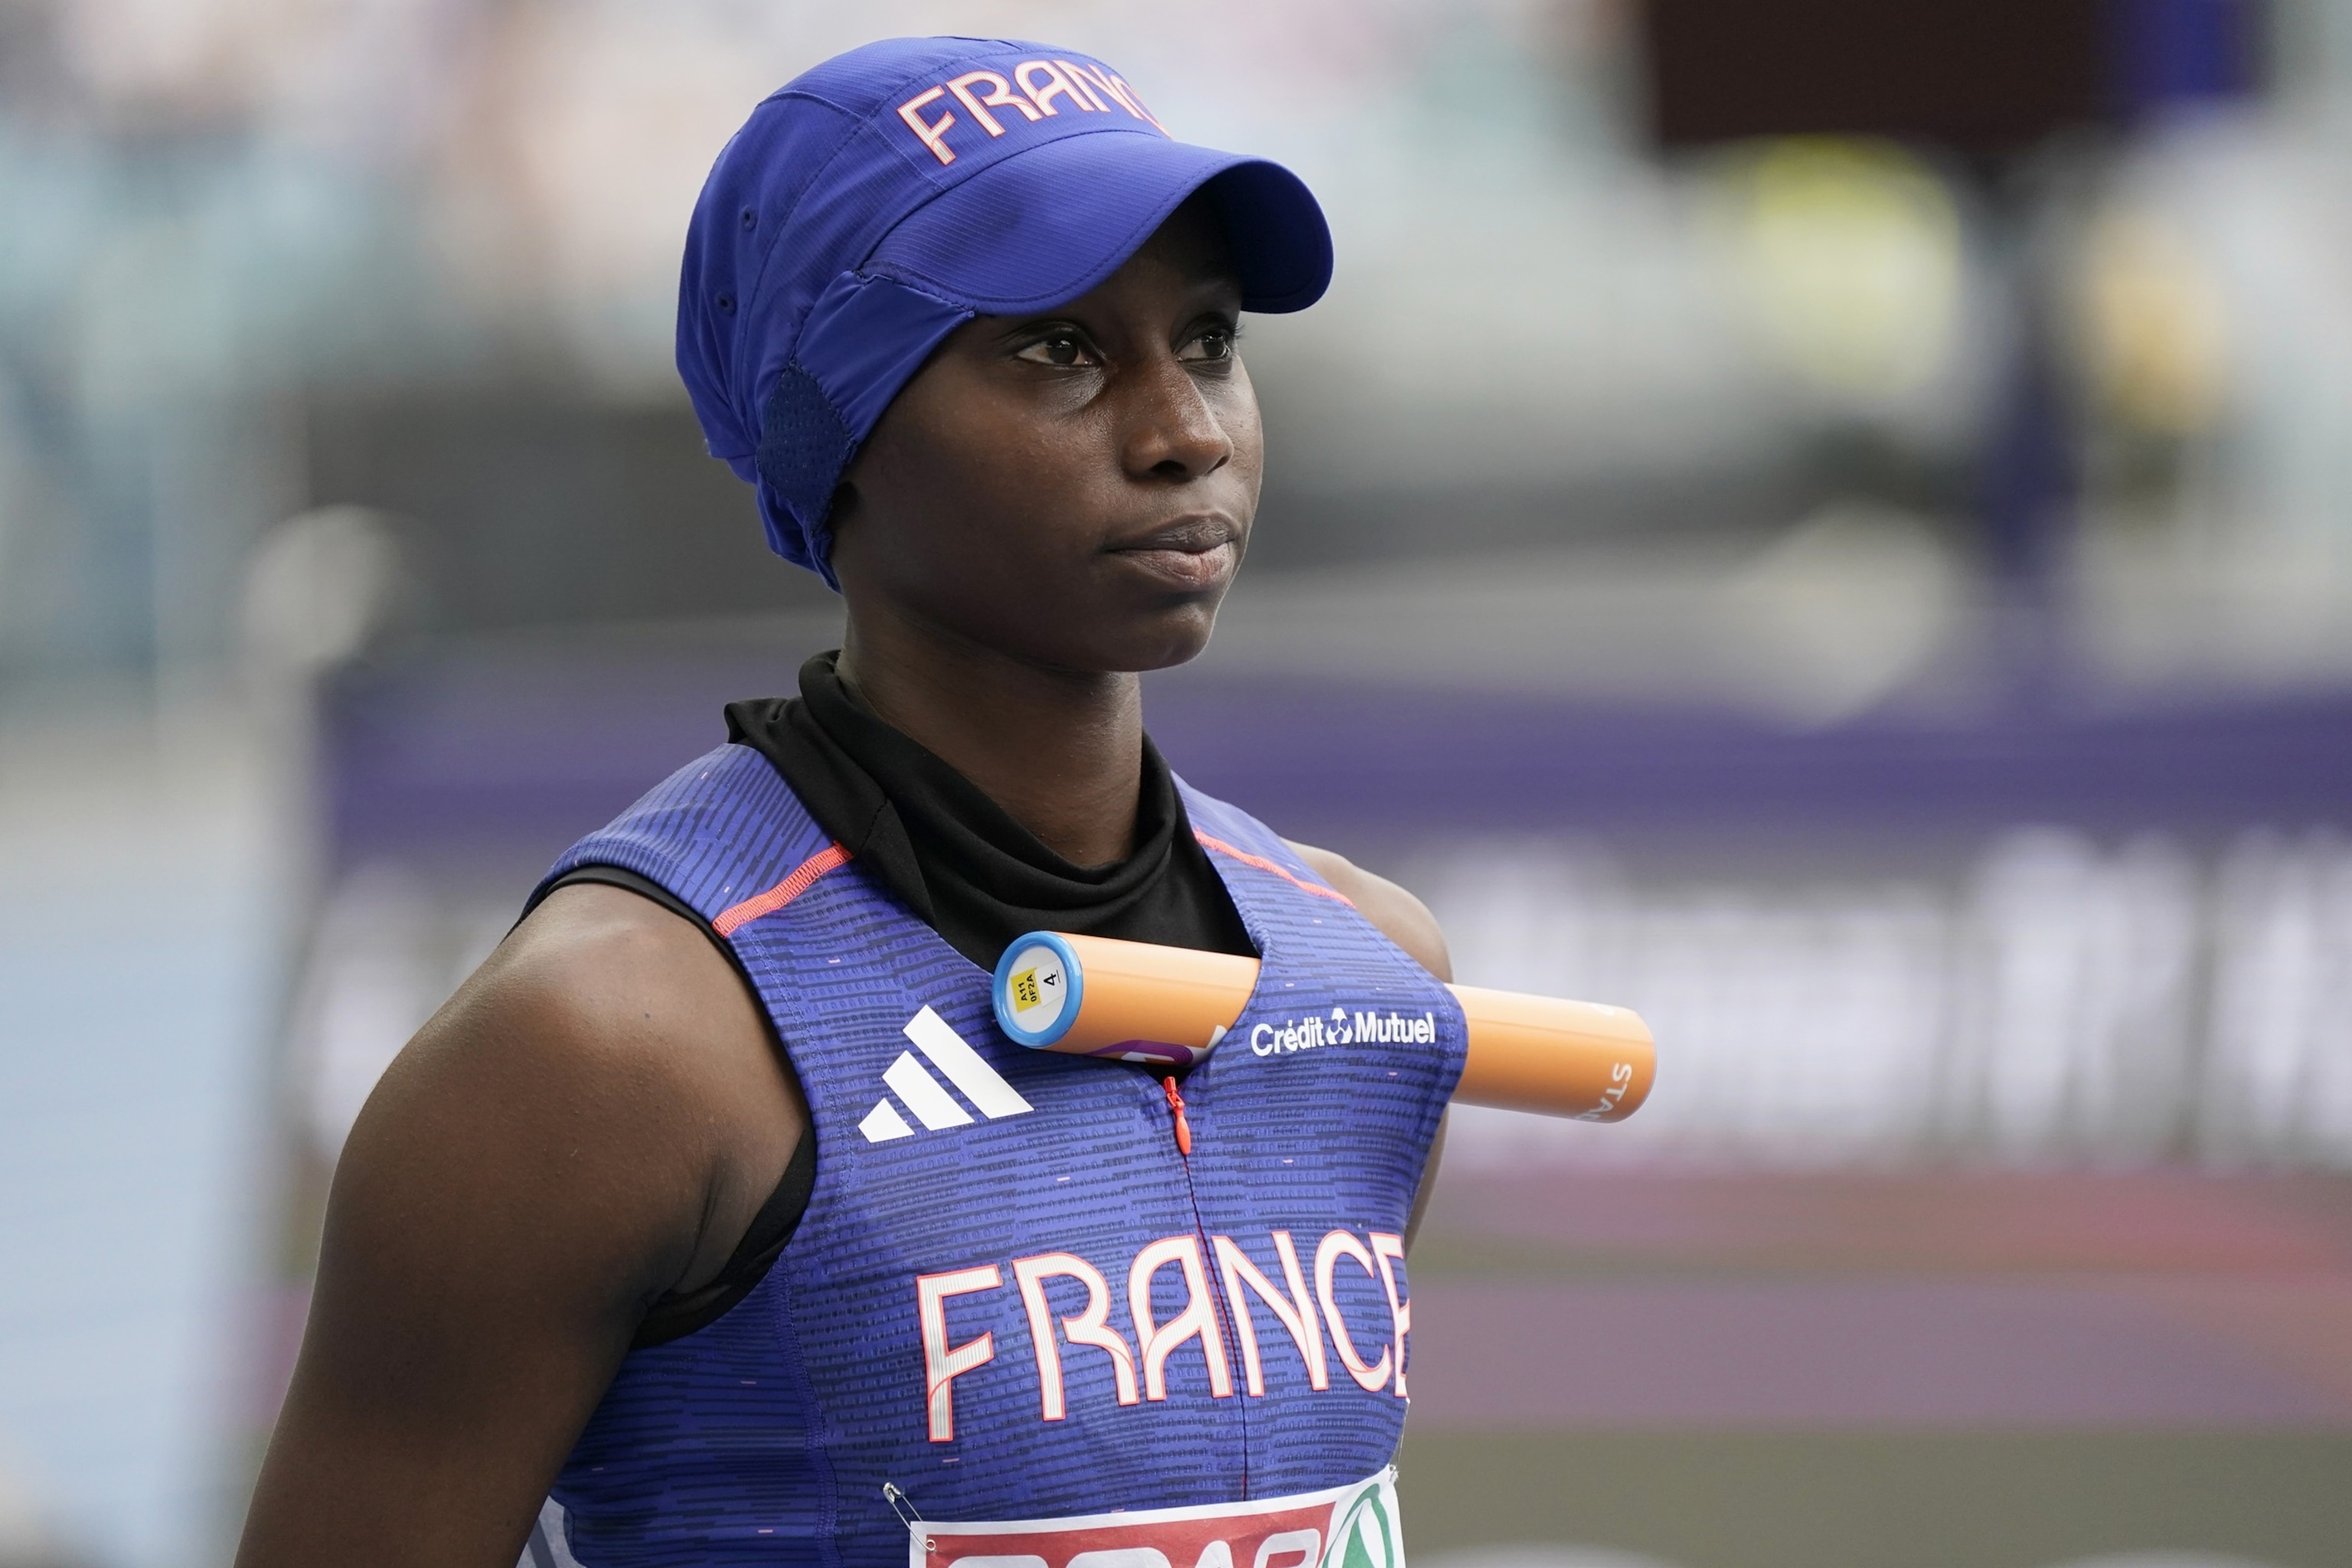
[804, 446]
[864, 338]
[804, 443]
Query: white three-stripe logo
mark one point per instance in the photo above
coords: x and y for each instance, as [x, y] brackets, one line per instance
[922, 1093]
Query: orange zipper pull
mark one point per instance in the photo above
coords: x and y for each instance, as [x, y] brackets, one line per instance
[1176, 1108]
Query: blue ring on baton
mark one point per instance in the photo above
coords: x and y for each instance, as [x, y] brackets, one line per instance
[1000, 991]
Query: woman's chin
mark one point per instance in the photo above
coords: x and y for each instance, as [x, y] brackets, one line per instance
[1182, 637]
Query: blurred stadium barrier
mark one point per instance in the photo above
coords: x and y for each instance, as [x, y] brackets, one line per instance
[2055, 999]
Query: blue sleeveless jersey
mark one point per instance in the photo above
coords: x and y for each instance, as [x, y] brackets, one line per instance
[1011, 1295]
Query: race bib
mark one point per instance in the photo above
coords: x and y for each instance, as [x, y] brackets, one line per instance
[1353, 1526]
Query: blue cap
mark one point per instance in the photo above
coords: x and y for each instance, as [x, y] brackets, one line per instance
[874, 204]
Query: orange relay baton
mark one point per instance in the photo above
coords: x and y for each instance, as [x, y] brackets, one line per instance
[1133, 1001]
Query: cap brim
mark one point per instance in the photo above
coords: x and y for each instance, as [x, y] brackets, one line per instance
[1043, 227]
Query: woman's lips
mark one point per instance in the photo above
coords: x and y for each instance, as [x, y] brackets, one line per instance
[1191, 568]
[1197, 552]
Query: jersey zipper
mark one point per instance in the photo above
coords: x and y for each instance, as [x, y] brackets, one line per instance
[1176, 1110]
[1181, 1126]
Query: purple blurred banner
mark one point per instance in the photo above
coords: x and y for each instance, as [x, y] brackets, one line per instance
[527, 748]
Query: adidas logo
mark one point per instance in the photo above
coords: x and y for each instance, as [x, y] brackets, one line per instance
[922, 1093]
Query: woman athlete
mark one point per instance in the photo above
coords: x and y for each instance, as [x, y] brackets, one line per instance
[715, 1206]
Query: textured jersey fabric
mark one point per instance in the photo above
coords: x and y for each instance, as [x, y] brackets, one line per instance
[959, 863]
[1010, 1295]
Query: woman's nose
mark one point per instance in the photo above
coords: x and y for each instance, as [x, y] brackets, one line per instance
[1172, 430]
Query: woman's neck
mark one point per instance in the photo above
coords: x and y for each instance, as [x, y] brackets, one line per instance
[1061, 750]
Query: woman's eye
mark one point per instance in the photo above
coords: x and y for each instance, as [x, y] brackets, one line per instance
[1061, 349]
[1214, 345]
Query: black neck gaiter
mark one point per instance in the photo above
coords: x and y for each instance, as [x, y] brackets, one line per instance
[957, 859]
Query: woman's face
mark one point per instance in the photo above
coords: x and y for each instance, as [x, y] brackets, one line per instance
[1074, 488]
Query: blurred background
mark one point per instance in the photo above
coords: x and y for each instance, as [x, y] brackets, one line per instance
[1828, 522]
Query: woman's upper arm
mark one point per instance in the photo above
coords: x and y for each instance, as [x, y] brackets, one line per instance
[573, 1135]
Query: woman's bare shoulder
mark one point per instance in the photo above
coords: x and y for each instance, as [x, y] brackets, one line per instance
[603, 1072]
[1404, 919]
